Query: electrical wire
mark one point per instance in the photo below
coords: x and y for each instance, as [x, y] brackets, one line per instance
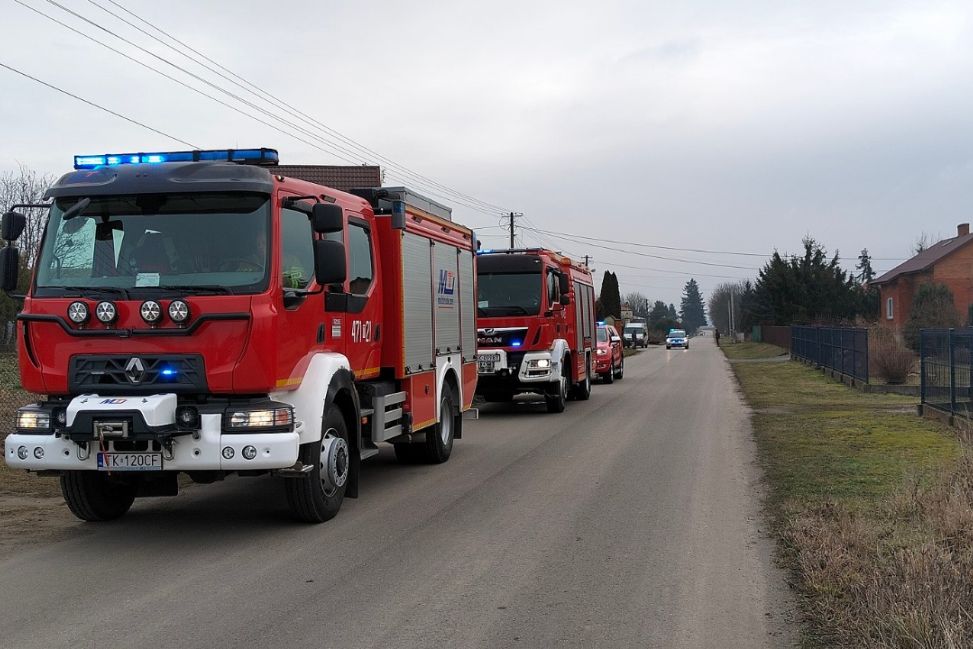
[98, 106]
[277, 103]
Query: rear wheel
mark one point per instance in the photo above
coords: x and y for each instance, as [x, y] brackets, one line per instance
[582, 391]
[317, 496]
[94, 497]
[439, 438]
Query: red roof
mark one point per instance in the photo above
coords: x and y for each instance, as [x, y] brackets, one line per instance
[335, 177]
[926, 259]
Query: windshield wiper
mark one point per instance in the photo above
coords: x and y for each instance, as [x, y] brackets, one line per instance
[95, 289]
[195, 288]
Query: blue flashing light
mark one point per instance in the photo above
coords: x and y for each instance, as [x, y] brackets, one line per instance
[601, 322]
[168, 372]
[516, 343]
[485, 251]
[266, 157]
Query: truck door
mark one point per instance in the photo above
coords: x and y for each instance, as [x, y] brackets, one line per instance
[363, 319]
[301, 315]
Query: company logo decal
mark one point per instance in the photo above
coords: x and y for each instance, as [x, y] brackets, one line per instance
[135, 370]
[446, 291]
[112, 402]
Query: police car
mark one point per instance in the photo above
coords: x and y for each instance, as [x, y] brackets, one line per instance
[677, 338]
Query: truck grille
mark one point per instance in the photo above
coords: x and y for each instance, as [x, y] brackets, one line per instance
[137, 374]
[502, 337]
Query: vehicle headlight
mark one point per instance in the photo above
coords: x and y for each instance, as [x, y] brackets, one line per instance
[33, 420]
[78, 312]
[106, 312]
[539, 363]
[179, 311]
[602, 352]
[277, 418]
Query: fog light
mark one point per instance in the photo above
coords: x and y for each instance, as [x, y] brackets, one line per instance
[61, 415]
[151, 311]
[31, 419]
[187, 417]
[178, 311]
[22, 452]
[106, 312]
[228, 452]
[249, 452]
[78, 312]
[39, 453]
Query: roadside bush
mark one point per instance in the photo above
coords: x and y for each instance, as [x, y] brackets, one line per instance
[892, 361]
[932, 307]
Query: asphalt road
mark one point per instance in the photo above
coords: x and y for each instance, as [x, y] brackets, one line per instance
[631, 520]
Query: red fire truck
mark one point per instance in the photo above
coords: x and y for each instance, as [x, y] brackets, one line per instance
[196, 312]
[535, 326]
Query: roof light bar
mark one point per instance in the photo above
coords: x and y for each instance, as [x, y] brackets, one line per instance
[264, 157]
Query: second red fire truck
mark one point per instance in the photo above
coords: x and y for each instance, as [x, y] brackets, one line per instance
[535, 326]
[197, 312]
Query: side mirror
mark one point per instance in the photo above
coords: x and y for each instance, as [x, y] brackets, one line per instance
[565, 299]
[564, 285]
[326, 218]
[12, 226]
[9, 267]
[329, 262]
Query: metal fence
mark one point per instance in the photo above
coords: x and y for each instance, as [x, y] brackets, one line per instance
[944, 369]
[841, 349]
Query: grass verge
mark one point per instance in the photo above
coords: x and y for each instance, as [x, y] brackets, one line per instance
[873, 507]
[750, 351]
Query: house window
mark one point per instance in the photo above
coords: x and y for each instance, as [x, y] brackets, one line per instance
[889, 309]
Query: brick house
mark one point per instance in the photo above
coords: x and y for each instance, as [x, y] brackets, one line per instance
[948, 262]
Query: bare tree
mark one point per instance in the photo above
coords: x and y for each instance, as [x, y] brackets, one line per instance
[719, 305]
[26, 186]
[639, 304]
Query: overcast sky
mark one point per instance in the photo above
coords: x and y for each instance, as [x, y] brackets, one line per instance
[732, 126]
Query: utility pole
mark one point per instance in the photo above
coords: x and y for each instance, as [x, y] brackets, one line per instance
[513, 215]
[586, 260]
[732, 324]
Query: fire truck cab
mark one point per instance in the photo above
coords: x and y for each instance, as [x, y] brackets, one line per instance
[195, 312]
[535, 326]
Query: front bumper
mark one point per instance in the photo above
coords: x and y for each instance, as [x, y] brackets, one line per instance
[517, 375]
[603, 363]
[200, 450]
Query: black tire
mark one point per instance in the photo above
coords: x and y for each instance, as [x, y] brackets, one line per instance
[621, 370]
[94, 497]
[556, 402]
[440, 438]
[668, 346]
[609, 378]
[309, 498]
[582, 390]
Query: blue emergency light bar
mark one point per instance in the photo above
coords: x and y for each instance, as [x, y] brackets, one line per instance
[265, 157]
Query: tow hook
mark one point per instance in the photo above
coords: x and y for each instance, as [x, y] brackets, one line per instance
[84, 452]
[167, 453]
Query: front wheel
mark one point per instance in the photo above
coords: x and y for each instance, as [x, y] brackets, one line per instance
[621, 370]
[94, 497]
[316, 497]
[610, 376]
[556, 402]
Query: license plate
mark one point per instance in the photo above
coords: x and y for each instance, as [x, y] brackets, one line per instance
[487, 367]
[488, 363]
[130, 461]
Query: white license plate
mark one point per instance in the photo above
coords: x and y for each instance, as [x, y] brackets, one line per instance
[130, 461]
[487, 367]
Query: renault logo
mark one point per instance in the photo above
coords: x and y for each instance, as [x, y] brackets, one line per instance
[135, 370]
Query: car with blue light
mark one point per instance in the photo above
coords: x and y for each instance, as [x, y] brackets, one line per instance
[677, 338]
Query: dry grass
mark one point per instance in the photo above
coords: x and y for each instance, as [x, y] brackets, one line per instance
[736, 351]
[873, 507]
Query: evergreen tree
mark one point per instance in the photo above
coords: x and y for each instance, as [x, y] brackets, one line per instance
[801, 290]
[611, 300]
[672, 312]
[693, 312]
[932, 307]
[658, 313]
[864, 267]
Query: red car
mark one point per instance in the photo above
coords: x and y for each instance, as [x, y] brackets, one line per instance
[609, 359]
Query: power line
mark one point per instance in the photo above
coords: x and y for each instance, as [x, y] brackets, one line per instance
[612, 264]
[278, 103]
[639, 254]
[208, 96]
[98, 106]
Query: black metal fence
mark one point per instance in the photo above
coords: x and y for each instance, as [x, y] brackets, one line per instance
[944, 369]
[842, 349]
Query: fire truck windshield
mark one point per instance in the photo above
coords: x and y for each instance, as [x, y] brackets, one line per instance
[507, 294]
[176, 241]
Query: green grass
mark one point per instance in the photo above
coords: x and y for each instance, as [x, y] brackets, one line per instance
[748, 351]
[837, 463]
